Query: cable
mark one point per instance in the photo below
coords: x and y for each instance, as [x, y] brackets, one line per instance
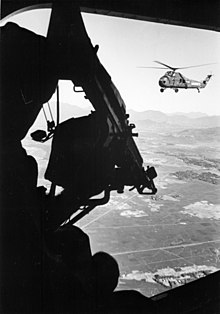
[53, 185]
[50, 110]
[44, 113]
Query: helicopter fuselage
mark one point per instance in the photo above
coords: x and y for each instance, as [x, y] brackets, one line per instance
[176, 80]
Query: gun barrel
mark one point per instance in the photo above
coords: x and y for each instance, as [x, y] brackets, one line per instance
[107, 101]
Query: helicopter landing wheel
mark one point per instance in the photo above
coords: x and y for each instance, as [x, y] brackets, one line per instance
[176, 90]
[162, 90]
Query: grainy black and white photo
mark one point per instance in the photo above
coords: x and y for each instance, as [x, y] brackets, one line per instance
[110, 157]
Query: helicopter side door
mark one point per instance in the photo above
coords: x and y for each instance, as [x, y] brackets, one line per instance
[183, 82]
[173, 78]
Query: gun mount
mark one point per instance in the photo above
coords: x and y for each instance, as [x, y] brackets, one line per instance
[97, 153]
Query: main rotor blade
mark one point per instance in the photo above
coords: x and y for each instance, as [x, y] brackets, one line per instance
[192, 66]
[152, 68]
[195, 66]
[167, 66]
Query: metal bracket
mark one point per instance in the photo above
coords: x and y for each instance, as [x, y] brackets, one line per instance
[92, 203]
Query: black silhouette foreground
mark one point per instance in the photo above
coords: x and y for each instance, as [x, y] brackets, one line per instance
[47, 266]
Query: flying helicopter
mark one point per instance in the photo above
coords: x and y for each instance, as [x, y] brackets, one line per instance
[175, 80]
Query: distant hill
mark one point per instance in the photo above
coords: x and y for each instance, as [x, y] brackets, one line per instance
[156, 116]
[202, 135]
[190, 120]
[209, 121]
[146, 119]
[67, 111]
[191, 115]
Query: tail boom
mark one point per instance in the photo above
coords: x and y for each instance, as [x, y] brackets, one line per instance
[205, 81]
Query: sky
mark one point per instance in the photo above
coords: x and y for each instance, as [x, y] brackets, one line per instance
[126, 44]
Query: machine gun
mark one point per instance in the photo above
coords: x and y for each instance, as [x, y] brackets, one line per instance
[97, 153]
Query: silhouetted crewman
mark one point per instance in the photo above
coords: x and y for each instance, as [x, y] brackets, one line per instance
[40, 271]
[26, 83]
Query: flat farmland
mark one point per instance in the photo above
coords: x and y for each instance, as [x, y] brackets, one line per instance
[173, 237]
[169, 239]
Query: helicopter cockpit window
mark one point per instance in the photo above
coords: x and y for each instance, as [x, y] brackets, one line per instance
[167, 240]
[171, 73]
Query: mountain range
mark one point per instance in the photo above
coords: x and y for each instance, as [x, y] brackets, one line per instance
[67, 111]
[144, 119]
[186, 120]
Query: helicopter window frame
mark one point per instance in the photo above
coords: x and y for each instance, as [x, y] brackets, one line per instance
[173, 74]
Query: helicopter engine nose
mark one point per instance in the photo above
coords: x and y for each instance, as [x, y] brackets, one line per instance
[164, 81]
